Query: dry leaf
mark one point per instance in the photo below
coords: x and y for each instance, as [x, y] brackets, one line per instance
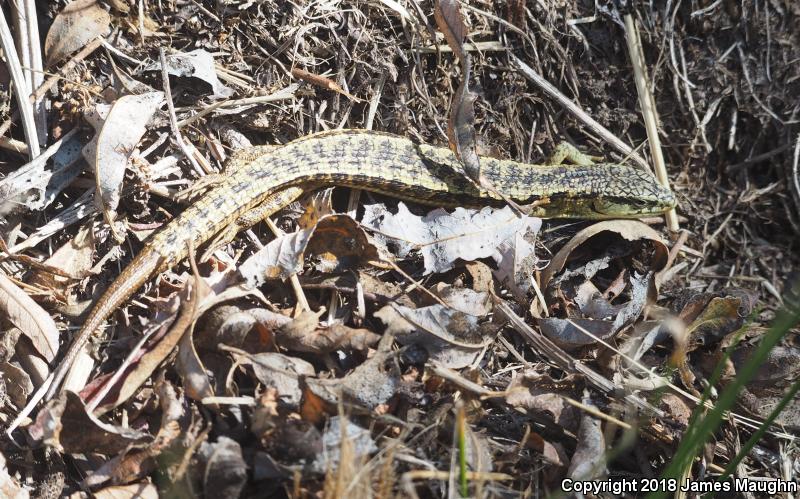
[322, 82]
[516, 265]
[451, 338]
[229, 325]
[294, 441]
[464, 299]
[318, 206]
[721, 315]
[33, 186]
[676, 408]
[18, 385]
[73, 258]
[613, 248]
[629, 230]
[588, 462]
[116, 136]
[20, 310]
[369, 385]
[193, 372]
[647, 334]
[337, 242]
[137, 461]
[313, 408]
[57, 423]
[224, 471]
[155, 351]
[444, 237]
[569, 335]
[305, 334]
[195, 64]
[76, 25]
[342, 434]
[772, 380]
[399, 9]
[709, 319]
[553, 454]
[281, 372]
[543, 395]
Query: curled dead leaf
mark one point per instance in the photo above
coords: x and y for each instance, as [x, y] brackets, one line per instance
[452, 338]
[56, 424]
[542, 394]
[369, 385]
[305, 334]
[76, 25]
[119, 128]
[20, 310]
[574, 333]
[198, 64]
[628, 230]
[336, 242]
[597, 298]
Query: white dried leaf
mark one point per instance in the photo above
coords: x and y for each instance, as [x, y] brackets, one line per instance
[444, 237]
[399, 9]
[465, 300]
[75, 26]
[338, 430]
[33, 186]
[196, 64]
[516, 265]
[118, 130]
[29, 317]
[452, 338]
[338, 241]
[282, 373]
[280, 258]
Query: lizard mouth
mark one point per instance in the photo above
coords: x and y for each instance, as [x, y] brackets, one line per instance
[630, 208]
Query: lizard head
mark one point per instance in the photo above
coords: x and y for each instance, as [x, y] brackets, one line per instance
[631, 193]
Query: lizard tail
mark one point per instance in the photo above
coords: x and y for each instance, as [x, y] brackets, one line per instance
[135, 274]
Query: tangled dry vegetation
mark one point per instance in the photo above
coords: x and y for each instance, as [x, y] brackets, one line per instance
[359, 346]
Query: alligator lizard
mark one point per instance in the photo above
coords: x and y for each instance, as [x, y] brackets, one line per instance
[382, 163]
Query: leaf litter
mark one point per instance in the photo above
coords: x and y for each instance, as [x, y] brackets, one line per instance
[353, 352]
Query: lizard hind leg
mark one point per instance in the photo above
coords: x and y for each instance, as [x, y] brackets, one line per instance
[266, 208]
[565, 151]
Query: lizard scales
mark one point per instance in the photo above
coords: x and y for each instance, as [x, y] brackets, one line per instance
[383, 163]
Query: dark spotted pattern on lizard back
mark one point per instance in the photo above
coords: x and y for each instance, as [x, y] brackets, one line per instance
[401, 168]
[383, 163]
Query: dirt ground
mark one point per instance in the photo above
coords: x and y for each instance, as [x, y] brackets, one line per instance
[520, 417]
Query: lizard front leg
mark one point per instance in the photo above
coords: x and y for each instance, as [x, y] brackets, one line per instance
[565, 151]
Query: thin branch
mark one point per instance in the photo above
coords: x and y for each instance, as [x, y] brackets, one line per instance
[15, 69]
